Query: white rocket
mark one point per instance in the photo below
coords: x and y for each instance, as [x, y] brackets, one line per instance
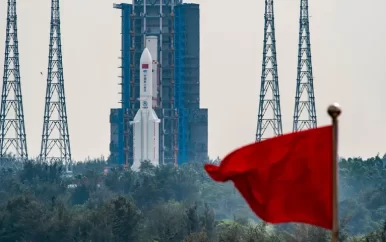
[146, 122]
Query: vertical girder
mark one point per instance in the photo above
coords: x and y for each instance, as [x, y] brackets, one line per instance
[180, 79]
[55, 146]
[304, 113]
[13, 135]
[269, 115]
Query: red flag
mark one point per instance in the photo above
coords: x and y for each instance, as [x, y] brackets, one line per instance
[284, 179]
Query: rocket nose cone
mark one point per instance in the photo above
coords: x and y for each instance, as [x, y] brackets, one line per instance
[146, 57]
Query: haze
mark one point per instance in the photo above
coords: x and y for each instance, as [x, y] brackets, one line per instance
[347, 39]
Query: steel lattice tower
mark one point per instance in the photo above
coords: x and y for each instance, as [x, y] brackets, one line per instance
[13, 136]
[305, 113]
[55, 146]
[269, 115]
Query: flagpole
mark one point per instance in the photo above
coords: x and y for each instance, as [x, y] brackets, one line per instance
[334, 111]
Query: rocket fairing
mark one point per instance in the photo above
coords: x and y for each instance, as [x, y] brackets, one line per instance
[146, 122]
[152, 45]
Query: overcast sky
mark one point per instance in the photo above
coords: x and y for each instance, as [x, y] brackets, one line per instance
[348, 48]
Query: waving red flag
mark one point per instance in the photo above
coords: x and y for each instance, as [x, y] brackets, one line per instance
[284, 179]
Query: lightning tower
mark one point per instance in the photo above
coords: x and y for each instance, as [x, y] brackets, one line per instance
[13, 136]
[269, 116]
[55, 146]
[305, 113]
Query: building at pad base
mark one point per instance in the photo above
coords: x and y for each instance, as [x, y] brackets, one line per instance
[171, 31]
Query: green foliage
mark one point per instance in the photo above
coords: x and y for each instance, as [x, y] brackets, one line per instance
[168, 204]
[363, 194]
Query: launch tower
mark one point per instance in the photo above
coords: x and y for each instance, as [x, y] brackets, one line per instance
[13, 136]
[184, 125]
[269, 115]
[304, 113]
[55, 146]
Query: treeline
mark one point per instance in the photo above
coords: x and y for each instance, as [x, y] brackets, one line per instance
[38, 202]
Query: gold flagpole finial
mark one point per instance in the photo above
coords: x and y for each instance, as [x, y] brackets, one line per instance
[334, 110]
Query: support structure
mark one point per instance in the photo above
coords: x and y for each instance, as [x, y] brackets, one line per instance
[304, 113]
[13, 136]
[169, 135]
[55, 146]
[179, 43]
[269, 115]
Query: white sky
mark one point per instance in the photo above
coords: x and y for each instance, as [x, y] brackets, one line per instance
[347, 37]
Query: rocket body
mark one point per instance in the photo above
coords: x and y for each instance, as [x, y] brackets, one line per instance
[145, 123]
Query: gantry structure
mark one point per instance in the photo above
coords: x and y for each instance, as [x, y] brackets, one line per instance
[184, 125]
